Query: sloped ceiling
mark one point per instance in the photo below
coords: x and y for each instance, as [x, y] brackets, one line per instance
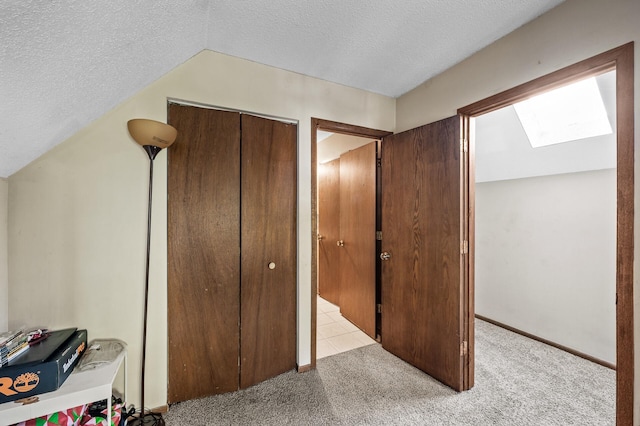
[503, 150]
[65, 63]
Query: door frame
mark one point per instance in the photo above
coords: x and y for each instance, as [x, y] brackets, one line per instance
[345, 129]
[620, 59]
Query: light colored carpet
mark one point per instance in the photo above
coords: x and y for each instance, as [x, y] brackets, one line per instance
[518, 382]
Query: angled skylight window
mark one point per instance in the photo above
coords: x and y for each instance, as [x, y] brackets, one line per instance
[572, 112]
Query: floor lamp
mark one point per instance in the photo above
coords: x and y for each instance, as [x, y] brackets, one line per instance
[153, 136]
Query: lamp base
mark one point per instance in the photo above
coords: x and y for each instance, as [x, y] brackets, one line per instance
[147, 419]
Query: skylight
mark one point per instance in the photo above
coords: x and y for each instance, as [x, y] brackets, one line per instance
[566, 114]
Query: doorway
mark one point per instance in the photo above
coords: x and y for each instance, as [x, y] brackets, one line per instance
[546, 218]
[422, 234]
[621, 61]
[326, 126]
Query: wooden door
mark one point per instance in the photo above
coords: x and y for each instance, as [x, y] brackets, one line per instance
[424, 285]
[203, 252]
[358, 233]
[268, 240]
[329, 231]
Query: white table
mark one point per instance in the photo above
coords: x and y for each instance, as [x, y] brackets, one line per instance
[81, 387]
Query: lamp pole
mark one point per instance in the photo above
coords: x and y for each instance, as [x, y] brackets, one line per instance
[152, 151]
[153, 136]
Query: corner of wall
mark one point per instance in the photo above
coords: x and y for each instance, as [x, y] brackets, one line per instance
[4, 254]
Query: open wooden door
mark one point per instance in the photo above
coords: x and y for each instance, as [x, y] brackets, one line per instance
[358, 237]
[425, 293]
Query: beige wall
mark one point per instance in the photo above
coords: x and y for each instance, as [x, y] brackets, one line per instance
[78, 214]
[4, 261]
[574, 31]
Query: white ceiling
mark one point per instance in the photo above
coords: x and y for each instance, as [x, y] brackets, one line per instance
[65, 63]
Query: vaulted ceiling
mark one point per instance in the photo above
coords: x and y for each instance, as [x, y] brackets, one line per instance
[65, 63]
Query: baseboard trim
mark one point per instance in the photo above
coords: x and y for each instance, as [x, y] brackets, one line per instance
[304, 368]
[548, 342]
[162, 409]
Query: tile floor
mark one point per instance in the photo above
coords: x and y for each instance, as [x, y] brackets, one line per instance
[335, 333]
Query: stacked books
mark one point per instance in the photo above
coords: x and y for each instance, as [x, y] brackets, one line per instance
[12, 345]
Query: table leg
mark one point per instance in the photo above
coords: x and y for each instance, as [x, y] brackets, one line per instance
[109, 410]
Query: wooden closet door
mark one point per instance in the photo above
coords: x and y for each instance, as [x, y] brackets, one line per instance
[329, 231]
[358, 232]
[268, 240]
[203, 252]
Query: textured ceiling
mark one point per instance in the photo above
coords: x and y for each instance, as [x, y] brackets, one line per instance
[65, 63]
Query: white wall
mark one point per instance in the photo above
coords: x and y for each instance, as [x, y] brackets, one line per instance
[545, 249]
[573, 31]
[337, 144]
[77, 215]
[4, 261]
[546, 258]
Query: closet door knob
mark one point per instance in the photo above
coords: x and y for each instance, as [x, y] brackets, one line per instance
[340, 243]
[385, 255]
[272, 265]
[320, 237]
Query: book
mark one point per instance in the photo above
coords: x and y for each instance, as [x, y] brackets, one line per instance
[18, 347]
[13, 350]
[17, 341]
[8, 350]
[18, 351]
[40, 351]
[7, 336]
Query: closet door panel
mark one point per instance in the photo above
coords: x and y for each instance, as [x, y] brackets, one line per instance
[268, 255]
[358, 233]
[329, 231]
[203, 252]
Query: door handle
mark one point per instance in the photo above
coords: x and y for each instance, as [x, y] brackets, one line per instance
[340, 243]
[320, 237]
[385, 255]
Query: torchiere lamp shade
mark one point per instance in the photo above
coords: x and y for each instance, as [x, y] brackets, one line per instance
[152, 133]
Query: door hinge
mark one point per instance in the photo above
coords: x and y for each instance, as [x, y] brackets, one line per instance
[379, 235]
[379, 308]
[464, 247]
[464, 348]
[464, 144]
[378, 162]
